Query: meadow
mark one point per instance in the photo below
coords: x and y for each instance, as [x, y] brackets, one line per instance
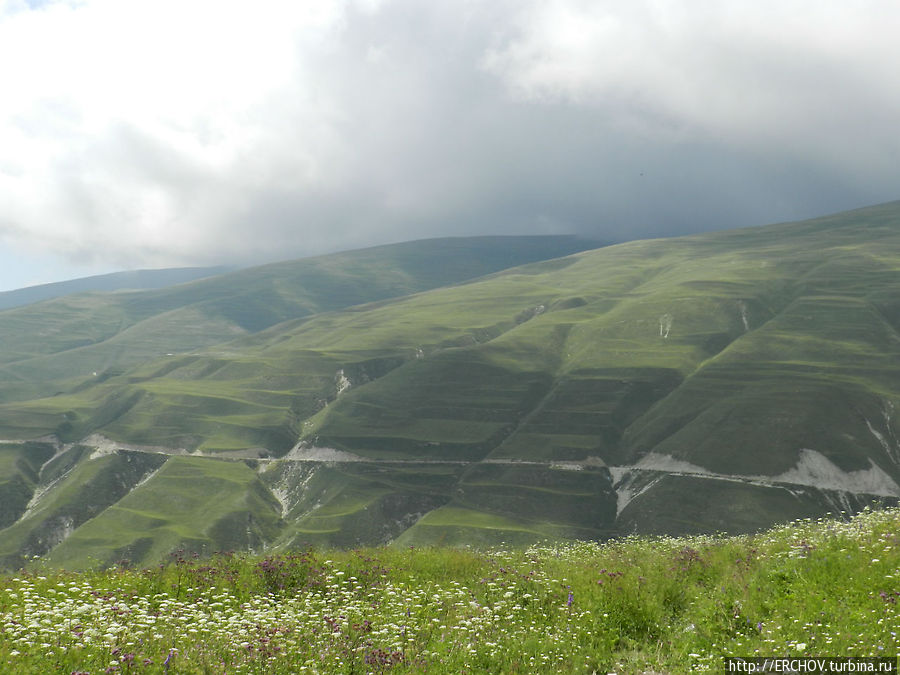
[824, 587]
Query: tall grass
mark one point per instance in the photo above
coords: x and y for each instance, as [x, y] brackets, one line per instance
[824, 588]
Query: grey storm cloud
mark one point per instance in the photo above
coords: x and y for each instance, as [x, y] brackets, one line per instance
[162, 133]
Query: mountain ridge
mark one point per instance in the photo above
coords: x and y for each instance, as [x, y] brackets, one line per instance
[722, 381]
[143, 279]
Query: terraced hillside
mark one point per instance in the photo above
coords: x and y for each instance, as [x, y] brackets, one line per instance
[72, 342]
[717, 382]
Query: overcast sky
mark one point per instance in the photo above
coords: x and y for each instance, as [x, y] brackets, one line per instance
[160, 133]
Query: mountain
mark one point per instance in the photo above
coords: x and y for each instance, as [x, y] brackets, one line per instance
[117, 281]
[64, 344]
[723, 381]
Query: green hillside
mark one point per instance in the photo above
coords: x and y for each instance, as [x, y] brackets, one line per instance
[724, 381]
[75, 341]
[116, 281]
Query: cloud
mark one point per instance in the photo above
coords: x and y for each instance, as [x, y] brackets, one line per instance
[141, 125]
[743, 73]
[155, 133]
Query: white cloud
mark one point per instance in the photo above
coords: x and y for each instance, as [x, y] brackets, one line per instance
[785, 70]
[145, 122]
[155, 132]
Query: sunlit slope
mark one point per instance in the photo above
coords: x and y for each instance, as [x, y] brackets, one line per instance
[622, 349]
[558, 360]
[756, 371]
[725, 381]
[61, 344]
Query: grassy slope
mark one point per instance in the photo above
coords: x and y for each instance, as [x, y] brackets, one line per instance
[61, 344]
[639, 605]
[644, 347]
[191, 503]
[116, 281]
[20, 465]
[731, 351]
[72, 497]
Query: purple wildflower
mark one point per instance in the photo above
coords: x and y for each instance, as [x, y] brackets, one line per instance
[168, 658]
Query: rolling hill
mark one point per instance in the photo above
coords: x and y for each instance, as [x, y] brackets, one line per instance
[723, 381]
[69, 342]
[116, 281]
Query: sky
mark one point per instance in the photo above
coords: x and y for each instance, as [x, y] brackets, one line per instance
[166, 133]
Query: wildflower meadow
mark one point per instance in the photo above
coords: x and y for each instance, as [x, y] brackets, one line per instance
[664, 605]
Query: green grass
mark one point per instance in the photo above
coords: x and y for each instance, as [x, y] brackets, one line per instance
[71, 500]
[20, 464]
[735, 352]
[355, 504]
[62, 343]
[636, 605]
[189, 502]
